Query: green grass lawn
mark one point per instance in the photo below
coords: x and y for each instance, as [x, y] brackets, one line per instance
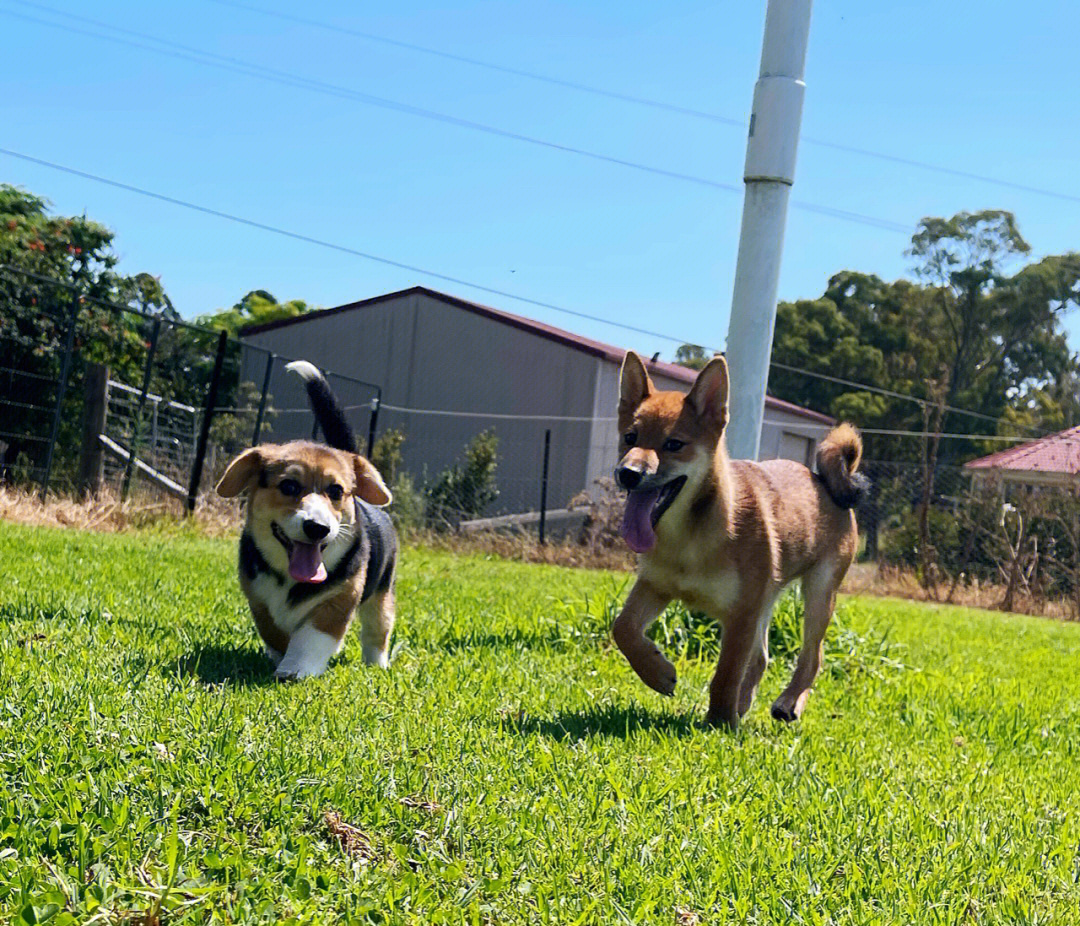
[509, 767]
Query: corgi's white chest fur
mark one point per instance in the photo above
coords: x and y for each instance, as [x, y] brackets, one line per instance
[287, 615]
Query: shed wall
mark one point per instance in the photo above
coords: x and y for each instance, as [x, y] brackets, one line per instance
[431, 356]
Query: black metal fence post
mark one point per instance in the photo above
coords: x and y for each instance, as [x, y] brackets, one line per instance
[544, 486]
[373, 423]
[208, 414]
[61, 392]
[262, 400]
[133, 447]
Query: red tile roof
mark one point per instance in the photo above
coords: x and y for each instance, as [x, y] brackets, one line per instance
[577, 341]
[1055, 453]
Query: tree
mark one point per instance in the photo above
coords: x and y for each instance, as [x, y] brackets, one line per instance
[693, 356]
[52, 268]
[256, 308]
[966, 330]
[996, 332]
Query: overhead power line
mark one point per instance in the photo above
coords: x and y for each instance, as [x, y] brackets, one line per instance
[297, 81]
[641, 100]
[320, 242]
[490, 65]
[526, 300]
[863, 387]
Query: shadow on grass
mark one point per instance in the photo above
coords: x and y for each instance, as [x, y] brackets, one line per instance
[610, 720]
[216, 665]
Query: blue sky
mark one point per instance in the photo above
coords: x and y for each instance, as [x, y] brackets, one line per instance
[949, 83]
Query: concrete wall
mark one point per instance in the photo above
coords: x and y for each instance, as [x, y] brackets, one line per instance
[430, 355]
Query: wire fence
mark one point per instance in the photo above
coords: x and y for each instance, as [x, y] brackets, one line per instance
[96, 394]
[99, 395]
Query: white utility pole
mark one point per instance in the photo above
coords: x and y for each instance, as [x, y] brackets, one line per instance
[769, 173]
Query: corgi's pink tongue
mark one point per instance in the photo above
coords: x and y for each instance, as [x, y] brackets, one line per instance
[305, 563]
[637, 529]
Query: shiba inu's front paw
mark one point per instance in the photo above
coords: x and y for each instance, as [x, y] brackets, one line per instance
[655, 670]
[273, 655]
[787, 709]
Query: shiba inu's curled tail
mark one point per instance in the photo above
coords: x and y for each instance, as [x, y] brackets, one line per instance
[838, 458]
[328, 411]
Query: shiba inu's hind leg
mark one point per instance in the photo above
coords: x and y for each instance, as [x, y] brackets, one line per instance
[744, 654]
[759, 658]
[819, 593]
[643, 606]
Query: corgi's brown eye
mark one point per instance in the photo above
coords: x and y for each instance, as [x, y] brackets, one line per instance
[335, 493]
[673, 445]
[630, 438]
[289, 487]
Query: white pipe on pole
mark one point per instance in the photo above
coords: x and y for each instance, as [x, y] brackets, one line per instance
[769, 172]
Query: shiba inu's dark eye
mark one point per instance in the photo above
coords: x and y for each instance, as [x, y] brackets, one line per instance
[335, 493]
[289, 487]
[673, 445]
[630, 438]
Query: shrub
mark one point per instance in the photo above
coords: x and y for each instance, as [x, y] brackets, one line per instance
[386, 455]
[408, 509]
[465, 490]
[900, 546]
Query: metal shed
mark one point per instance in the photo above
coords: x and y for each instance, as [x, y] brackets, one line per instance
[449, 368]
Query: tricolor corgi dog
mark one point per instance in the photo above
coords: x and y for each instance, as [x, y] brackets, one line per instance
[316, 546]
[726, 536]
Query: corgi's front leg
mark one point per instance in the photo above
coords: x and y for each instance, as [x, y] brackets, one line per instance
[643, 606]
[309, 652]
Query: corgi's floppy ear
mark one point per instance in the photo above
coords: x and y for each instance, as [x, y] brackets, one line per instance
[240, 475]
[634, 383]
[709, 395]
[369, 484]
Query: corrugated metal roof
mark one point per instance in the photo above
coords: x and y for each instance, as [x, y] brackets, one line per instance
[576, 341]
[1055, 453]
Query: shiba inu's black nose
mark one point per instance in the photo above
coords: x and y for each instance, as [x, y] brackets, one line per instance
[628, 478]
[315, 530]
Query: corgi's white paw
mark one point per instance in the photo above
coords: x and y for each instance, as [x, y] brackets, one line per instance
[308, 654]
[376, 656]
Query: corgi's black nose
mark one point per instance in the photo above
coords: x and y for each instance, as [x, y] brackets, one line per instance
[628, 478]
[315, 530]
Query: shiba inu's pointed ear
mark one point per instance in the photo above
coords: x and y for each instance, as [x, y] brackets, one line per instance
[634, 383]
[369, 484]
[709, 395]
[240, 475]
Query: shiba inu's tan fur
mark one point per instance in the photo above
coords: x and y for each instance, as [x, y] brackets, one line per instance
[731, 538]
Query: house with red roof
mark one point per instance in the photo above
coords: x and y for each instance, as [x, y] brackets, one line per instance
[449, 368]
[1052, 460]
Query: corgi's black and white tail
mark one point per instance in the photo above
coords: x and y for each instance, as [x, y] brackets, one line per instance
[328, 411]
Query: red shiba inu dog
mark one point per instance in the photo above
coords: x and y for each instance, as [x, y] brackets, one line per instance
[726, 536]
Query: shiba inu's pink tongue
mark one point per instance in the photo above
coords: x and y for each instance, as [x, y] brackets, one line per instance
[637, 529]
[305, 563]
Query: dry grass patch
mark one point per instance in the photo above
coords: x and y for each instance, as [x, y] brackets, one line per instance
[105, 512]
